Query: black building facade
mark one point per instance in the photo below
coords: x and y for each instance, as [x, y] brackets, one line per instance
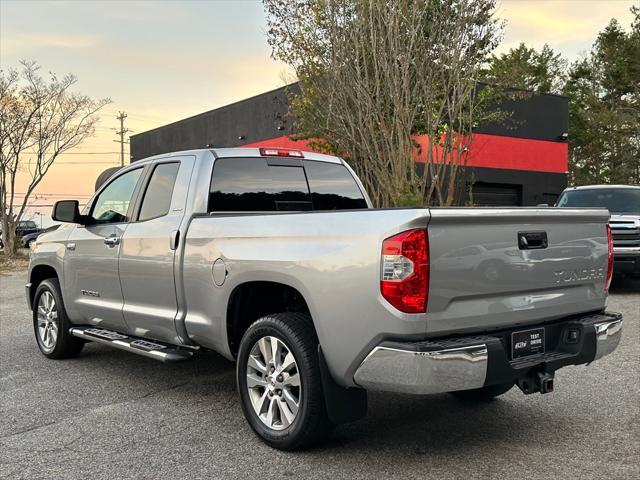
[522, 161]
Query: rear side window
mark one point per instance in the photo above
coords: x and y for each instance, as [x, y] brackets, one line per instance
[332, 187]
[252, 185]
[157, 197]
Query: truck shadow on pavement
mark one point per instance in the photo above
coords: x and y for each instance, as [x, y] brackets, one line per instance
[404, 424]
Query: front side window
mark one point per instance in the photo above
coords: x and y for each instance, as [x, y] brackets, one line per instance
[252, 185]
[113, 202]
[157, 197]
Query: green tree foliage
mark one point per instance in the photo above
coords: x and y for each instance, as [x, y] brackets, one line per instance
[527, 69]
[604, 99]
[604, 116]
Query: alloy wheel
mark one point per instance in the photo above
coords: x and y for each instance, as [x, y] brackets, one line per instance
[273, 383]
[47, 321]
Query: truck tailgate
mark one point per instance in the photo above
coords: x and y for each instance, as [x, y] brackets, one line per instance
[484, 275]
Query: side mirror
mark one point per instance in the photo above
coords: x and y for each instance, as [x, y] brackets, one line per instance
[67, 211]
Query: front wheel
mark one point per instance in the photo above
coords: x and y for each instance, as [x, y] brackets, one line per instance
[278, 377]
[50, 323]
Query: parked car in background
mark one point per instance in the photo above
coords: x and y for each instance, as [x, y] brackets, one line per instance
[623, 202]
[28, 239]
[24, 227]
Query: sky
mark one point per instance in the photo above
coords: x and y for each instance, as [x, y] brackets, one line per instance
[160, 61]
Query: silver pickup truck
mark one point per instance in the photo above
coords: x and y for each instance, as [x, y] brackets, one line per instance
[274, 258]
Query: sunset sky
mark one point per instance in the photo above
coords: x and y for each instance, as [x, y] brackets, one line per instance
[161, 61]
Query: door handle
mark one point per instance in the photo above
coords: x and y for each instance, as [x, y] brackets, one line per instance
[175, 239]
[532, 240]
[112, 241]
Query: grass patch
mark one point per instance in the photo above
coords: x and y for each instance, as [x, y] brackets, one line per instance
[19, 263]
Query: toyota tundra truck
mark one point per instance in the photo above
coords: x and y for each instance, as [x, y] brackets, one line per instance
[275, 259]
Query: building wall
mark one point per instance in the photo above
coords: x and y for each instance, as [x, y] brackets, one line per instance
[523, 157]
[250, 120]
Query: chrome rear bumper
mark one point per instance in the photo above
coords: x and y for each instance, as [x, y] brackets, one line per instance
[608, 336]
[466, 363]
[405, 371]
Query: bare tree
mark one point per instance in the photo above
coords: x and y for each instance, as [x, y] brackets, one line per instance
[39, 120]
[373, 74]
[460, 36]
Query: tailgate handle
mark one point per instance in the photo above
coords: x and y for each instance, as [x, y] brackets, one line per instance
[532, 240]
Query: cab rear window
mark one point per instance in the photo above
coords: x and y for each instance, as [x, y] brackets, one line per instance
[332, 187]
[258, 185]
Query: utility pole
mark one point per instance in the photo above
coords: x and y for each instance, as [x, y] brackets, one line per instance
[121, 116]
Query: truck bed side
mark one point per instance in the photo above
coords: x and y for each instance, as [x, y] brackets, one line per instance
[331, 258]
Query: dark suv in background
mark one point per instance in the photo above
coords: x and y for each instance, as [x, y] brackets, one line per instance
[623, 202]
[29, 238]
[23, 227]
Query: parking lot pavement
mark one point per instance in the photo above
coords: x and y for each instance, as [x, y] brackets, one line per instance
[110, 414]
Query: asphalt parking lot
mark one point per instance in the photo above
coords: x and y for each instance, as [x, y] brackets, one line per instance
[110, 414]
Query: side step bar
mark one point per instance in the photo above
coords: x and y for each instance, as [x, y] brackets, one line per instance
[147, 348]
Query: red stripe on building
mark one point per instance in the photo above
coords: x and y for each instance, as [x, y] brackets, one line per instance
[488, 151]
[495, 151]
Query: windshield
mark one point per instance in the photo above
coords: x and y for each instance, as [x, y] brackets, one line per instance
[27, 224]
[617, 200]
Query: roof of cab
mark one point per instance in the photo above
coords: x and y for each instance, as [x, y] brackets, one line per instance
[255, 152]
[238, 152]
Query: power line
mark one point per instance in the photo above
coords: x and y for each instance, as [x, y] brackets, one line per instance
[81, 153]
[89, 153]
[46, 195]
[107, 162]
[49, 205]
[143, 115]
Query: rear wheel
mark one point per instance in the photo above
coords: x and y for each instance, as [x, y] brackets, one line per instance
[484, 394]
[50, 323]
[278, 376]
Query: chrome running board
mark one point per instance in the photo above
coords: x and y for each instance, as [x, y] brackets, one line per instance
[147, 348]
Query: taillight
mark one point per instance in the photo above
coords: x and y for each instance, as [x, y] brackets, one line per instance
[280, 152]
[607, 282]
[404, 277]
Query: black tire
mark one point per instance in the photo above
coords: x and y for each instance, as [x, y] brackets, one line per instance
[484, 394]
[311, 424]
[65, 345]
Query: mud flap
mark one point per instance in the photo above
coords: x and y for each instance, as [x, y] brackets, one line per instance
[343, 405]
